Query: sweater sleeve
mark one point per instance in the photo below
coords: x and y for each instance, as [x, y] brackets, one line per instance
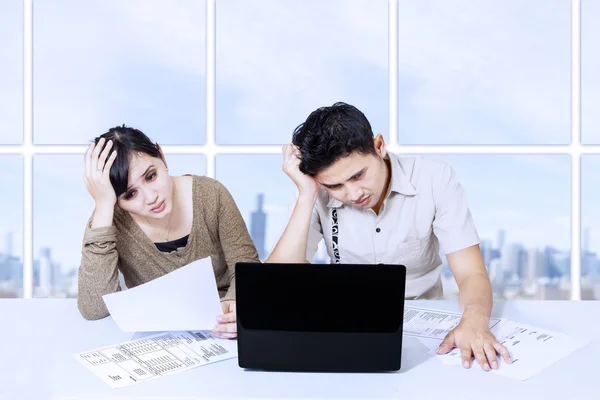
[98, 272]
[236, 243]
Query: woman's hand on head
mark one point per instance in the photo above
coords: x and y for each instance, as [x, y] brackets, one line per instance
[97, 173]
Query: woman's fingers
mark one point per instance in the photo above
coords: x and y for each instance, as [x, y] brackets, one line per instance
[104, 155]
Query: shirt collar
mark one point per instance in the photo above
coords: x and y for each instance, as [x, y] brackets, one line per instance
[399, 183]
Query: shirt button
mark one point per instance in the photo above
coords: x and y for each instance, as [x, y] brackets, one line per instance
[377, 230]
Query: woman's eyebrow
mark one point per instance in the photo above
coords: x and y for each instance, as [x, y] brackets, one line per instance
[143, 175]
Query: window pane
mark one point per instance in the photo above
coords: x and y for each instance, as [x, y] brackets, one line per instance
[11, 226]
[277, 61]
[62, 206]
[521, 209]
[99, 64]
[590, 224]
[590, 74]
[484, 72]
[264, 195]
[11, 72]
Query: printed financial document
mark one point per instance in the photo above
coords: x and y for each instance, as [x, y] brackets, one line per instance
[156, 355]
[184, 299]
[434, 324]
[531, 349]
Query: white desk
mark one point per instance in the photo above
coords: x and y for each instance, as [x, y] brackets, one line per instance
[61, 332]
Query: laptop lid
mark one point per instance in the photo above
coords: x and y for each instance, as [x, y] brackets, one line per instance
[328, 317]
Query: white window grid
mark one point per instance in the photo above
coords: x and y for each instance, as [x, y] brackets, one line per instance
[211, 149]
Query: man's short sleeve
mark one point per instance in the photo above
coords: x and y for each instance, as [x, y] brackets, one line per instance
[453, 224]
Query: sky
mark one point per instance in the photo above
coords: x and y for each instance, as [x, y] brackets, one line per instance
[277, 61]
[11, 72]
[485, 72]
[470, 73]
[146, 70]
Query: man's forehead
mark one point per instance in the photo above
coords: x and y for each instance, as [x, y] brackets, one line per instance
[342, 170]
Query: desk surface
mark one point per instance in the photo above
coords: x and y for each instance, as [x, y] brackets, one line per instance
[40, 336]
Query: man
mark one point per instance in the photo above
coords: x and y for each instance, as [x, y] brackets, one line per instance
[372, 207]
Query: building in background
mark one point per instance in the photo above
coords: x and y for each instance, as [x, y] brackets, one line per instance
[515, 270]
[258, 227]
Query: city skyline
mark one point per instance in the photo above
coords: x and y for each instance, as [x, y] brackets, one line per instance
[511, 265]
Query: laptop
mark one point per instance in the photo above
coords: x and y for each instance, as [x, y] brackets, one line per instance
[320, 317]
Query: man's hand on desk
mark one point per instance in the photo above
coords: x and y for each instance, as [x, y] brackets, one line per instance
[227, 326]
[474, 339]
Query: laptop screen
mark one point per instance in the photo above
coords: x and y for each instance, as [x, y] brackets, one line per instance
[320, 297]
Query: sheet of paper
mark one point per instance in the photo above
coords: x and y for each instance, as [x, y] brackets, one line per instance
[157, 355]
[434, 324]
[531, 348]
[182, 300]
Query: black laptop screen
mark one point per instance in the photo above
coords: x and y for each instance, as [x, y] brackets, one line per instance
[320, 298]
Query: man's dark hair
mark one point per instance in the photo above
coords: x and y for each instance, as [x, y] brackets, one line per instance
[127, 142]
[331, 133]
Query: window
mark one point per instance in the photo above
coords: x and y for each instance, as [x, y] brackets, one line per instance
[299, 54]
[489, 72]
[590, 259]
[521, 208]
[490, 87]
[11, 226]
[104, 63]
[11, 72]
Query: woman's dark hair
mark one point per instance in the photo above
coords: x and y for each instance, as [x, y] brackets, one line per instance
[330, 133]
[126, 141]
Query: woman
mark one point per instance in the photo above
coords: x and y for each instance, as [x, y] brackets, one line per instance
[147, 223]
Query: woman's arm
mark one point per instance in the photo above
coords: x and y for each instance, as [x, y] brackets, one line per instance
[98, 272]
[236, 243]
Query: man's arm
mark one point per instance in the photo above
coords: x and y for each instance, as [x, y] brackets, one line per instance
[454, 227]
[474, 288]
[291, 247]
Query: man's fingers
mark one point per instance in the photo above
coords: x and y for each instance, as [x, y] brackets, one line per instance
[466, 357]
[490, 353]
[296, 151]
[287, 150]
[447, 344]
[503, 351]
[481, 359]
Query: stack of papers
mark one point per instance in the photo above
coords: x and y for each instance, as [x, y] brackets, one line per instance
[182, 306]
[531, 348]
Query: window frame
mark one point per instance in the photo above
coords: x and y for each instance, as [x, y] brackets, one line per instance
[211, 150]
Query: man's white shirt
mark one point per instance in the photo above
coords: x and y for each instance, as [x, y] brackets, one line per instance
[425, 209]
